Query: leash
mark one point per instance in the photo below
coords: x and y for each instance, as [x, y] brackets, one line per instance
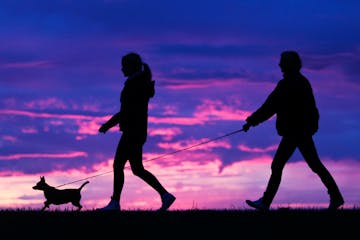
[164, 155]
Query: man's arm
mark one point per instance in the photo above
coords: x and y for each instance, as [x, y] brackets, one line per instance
[266, 111]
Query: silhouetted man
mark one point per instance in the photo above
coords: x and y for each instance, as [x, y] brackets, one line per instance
[133, 122]
[297, 119]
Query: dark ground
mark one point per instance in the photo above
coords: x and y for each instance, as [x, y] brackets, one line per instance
[192, 224]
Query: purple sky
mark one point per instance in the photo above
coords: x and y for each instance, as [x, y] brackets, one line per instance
[214, 62]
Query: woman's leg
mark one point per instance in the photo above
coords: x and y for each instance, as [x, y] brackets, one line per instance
[135, 159]
[121, 156]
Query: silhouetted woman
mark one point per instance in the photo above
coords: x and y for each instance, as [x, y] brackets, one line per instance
[297, 118]
[133, 122]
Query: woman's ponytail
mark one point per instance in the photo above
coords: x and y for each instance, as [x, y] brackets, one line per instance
[147, 71]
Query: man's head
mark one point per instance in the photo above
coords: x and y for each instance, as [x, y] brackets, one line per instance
[290, 61]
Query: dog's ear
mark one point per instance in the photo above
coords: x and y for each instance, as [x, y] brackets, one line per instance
[42, 178]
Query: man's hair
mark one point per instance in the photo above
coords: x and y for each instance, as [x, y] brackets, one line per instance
[290, 61]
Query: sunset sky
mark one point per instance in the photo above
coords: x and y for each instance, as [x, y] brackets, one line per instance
[214, 63]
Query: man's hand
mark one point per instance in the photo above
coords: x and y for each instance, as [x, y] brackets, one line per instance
[246, 127]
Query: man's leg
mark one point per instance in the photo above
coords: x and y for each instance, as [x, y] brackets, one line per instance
[285, 149]
[308, 150]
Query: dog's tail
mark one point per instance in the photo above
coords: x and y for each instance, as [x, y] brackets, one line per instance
[82, 185]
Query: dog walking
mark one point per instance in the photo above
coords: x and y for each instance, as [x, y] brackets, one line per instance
[59, 196]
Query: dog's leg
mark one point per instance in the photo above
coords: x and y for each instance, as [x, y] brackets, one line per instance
[46, 205]
[77, 204]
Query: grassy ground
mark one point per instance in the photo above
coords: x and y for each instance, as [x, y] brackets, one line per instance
[192, 224]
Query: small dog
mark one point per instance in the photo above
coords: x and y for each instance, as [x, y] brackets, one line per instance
[59, 196]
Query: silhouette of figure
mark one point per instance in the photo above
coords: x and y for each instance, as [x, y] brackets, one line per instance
[297, 118]
[133, 120]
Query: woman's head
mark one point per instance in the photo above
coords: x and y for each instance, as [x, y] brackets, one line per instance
[290, 61]
[131, 63]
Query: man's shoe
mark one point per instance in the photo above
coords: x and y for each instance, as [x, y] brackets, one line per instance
[335, 203]
[167, 199]
[113, 205]
[258, 204]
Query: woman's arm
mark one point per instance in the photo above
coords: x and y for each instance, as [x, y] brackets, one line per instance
[115, 119]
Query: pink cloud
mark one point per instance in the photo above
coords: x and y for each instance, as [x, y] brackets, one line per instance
[181, 84]
[52, 102]
[43, 115]
[176, 120]
[87, 124]
[209, 110]
[29, 130]
[217, 110]
[90, 127]
[55, 103]
[9, 138]
[44, 155]
[56, 122]
[166, 133]
[196, 144]
[257, 150]
[31, 64]
[197, 184]
[90, 107]
[178, 157]
[170, 110]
